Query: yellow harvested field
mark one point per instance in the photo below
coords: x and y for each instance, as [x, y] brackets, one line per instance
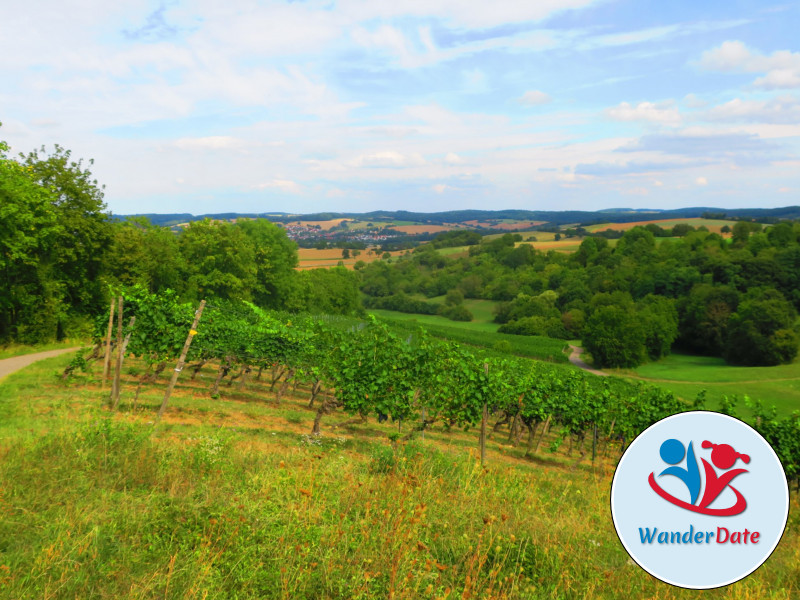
[569, 245]
[713, 225]
[311, 258]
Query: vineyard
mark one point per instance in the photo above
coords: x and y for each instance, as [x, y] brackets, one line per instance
[367, 368]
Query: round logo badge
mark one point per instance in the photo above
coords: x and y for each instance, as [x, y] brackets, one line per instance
[699, 500]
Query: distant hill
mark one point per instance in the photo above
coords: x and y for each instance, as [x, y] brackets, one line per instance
[612, 215]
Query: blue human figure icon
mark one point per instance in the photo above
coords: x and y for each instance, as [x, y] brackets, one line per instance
[672, 452]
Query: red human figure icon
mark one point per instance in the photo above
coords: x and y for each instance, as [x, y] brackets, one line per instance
[724, 457]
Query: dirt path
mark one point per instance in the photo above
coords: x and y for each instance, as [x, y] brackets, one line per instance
[575, 359]
[9, 365]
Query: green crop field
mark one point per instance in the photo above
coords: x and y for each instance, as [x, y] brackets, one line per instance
[231, 498]
[482, 311]
[687, 375]
[532, 346]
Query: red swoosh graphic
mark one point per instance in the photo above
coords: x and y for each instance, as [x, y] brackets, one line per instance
[737, 508]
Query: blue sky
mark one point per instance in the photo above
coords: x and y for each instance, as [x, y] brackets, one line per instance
[358, 105]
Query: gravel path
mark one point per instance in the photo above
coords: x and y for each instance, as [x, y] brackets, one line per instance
[575, 359]
[9, 365]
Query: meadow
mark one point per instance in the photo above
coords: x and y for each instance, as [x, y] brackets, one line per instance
[230, 498]
[687, 375]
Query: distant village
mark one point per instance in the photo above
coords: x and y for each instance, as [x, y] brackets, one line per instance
[300, 232]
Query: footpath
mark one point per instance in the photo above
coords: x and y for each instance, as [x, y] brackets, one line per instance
[15, 363]
[575, 359]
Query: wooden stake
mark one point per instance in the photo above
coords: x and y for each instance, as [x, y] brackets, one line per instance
[176, 373]
[114, 397]
[124, 349]
[484, 419]
[107, 360]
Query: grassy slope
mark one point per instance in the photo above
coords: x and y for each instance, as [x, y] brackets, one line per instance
[687, 375]
[482, 311]
[481, 331]
[228, 499]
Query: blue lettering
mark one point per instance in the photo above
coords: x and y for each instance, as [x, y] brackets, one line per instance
[647, 538]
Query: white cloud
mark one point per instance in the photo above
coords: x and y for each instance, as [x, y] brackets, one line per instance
[441, 188]
[664, 113]
[451, 158]
[389, 159]
[781, 68]
[215, 142]
[701, 181]
[534, 98]
[785, 109]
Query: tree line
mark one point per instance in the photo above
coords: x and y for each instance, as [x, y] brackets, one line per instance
[732, 297]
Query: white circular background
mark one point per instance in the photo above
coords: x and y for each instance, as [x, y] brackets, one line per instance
[635, 505]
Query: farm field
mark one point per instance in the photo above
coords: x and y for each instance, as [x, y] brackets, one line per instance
[425, 320]
[687, 375]
[312, 258]
[231, 498]
[482, 311]
[713, 225]
[476, 334]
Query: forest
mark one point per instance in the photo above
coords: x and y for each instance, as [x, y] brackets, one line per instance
[735, 297]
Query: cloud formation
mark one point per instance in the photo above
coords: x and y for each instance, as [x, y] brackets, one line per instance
[781, 69]
[365, 104]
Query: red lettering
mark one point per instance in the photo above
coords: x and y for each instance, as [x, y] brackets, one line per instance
[720, 539]
[736, 537]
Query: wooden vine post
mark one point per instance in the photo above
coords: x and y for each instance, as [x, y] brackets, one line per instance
[122, 352]
[176, 373]
[114, 397]
[484, 419]
[107, 360]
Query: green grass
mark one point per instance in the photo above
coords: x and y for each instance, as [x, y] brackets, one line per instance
[686, 375]
[228, 499]
[541, 348]
[481, 331]
[481, 310]
[20, 349]
[453, 250]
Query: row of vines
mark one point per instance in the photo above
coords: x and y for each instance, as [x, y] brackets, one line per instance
[367, 369]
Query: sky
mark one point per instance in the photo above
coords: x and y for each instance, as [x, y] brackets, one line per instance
[299, 106]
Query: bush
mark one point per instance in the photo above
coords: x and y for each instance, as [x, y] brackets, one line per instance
[456, 313]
